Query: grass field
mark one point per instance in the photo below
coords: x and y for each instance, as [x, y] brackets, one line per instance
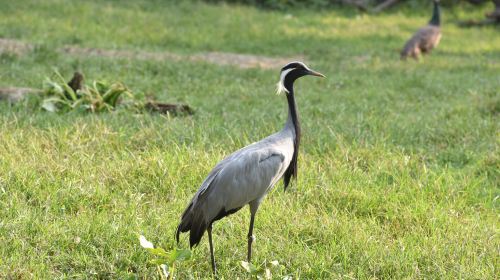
[399, 170]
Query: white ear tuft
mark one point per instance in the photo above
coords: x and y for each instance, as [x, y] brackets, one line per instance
[281, 84]
[280, 88]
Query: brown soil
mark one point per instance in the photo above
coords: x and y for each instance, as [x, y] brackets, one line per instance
[219, 58]
[14, 46]
[14, 94]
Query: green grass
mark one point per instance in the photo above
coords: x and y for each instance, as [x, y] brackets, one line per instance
[398, 175]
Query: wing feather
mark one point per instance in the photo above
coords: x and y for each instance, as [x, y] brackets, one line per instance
[246, 177]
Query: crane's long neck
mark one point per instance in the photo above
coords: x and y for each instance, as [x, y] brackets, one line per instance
[435, 20]
[293, 117]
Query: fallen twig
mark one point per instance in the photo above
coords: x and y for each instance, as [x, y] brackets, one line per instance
[164, 108]
[472, 22]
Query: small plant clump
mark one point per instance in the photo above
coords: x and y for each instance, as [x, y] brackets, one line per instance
[99, 97]
[61, 96]
[165, 260]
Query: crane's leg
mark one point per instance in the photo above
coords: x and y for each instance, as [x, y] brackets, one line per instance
[212, 257]
[254, 205]
[250, 236]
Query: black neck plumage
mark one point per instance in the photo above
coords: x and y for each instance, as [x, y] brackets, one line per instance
[435, 20]
[292, 111]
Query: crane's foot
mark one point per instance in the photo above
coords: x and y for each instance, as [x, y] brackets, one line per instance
[214, 268]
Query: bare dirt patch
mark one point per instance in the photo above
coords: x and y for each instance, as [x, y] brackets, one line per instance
[220, 58]
[14, 46]
[14, 94]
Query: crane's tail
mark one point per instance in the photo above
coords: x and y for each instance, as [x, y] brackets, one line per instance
[193, 222]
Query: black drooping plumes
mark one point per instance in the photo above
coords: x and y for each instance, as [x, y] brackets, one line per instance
[292, 110]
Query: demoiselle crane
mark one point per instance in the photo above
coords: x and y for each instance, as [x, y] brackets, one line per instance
[247, 175]
[426, 38]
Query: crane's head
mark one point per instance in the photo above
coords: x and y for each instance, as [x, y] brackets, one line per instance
[291, 72]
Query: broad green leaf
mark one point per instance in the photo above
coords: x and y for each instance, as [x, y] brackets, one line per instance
[158, 252]
[114, 92]
[101, 87]
[246, 266]
[65, 86]
[77, 103]
[52, 88]
[58, 75]
[70, 92]
[250, 268]
[179, 255]
[49, 105]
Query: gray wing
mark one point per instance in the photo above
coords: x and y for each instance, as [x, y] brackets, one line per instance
[245, 178]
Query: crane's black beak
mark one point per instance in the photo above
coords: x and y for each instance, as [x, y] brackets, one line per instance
[315, 73]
